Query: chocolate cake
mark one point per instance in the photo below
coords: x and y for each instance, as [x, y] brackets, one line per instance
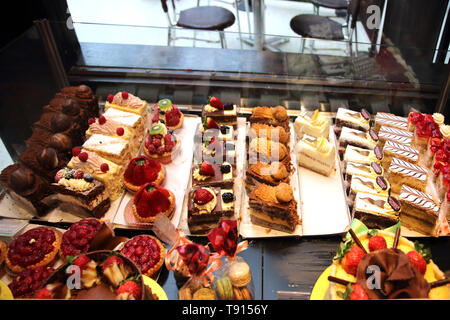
[69, 107]
[213, 175]
[84, 96]
[376, 212]
[58, 122]
[43, 161]
[226, 116]
[215, 151]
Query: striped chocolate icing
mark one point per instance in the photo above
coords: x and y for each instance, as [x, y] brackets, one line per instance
[394, 134]
[418, 198]
[401, 150]
[407, 168]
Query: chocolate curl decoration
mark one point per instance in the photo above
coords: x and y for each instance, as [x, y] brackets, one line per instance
[224, 239]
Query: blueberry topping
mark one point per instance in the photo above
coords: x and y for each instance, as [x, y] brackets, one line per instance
[224, 129]
[225, 168]
[88, 177]
[227, 197]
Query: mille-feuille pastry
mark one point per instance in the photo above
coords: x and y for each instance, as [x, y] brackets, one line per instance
[84, 96]
[262, 130]
[393, 149]
[358, 138]
[214, 175]
[316, 154]
[371, 170]
[264, 150]
[360, 155]
[127, 119]
[274, 116]
[271, 174]
[111, 148]
[207, 206]
[390, 120]
[377, 186]
[353, 119]
[317, 125]
[376, 211]
[274, 207]
[403, 172]
[125, 101]
[102, 169]
[397, 135]
[419, 211]
[223, 114]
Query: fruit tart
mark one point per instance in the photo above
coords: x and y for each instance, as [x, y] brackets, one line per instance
[83, 236]
[35, 248]
[27, 282]
[147, 252]
[142, 170]
[170, 115]
[151, 200]
[2, 252]
[161, 144]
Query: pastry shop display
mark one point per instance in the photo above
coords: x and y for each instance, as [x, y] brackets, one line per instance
[393, 149]
[358, 138]
[390, 120]
[403, 172]
[78, 192]
[125, 101]
[317, 125]
[442, 181]
[38, 247]
[352, 119]
[105, 275]
[407, 269]
[170, 115]
[26, 188]
[376, 211]
[396, 135]
[212, 174]
[147, 252]
[161, 144]
[264, 173]
[151, 200]
[207, 206]
[316, 154]
[223, 114]
[276, 134]
[25, 284]
[274, 207]
[84, 96]
[142, 170]
[108, 172]
[419, 211]
[274, 116]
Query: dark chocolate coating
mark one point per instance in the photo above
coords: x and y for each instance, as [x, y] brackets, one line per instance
[60, 122]
[60, 142]
[48, 158]
[22, 179]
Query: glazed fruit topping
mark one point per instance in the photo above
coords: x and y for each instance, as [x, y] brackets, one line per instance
[80, 261]
[31, 247]
[129, 290]
[151, 200]
[352, 258]
[28, 281]
[353, 292]
[144, 251]
[173, 117]
[141, 170]
[377, 243]
[416, 117]
[202, 196]
[206, 169]
[419, 263]
[215, 102]
[77, 239]
[110, 261]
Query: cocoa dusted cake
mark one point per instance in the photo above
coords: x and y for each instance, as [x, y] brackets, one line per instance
[69, 107]
[58, 122]
[84, 96]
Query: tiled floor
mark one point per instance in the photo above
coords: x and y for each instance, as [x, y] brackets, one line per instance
[144, 22]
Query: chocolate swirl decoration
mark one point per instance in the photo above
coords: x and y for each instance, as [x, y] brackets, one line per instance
[391, 120]
[407, 168]
[373, 134]
[397, 135]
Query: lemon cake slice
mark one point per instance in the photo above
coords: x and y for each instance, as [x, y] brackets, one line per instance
[316, 154]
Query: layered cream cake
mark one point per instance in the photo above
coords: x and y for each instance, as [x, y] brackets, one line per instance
[360, 155]
[397, 135]
[403, 172]
[390, 120]
[376, 211]
[318, 125]
[372, 170]
[125, 101]
[401, 151]
[316, 154]
[419, 211]
[377, 186]
[353, 119]
[358, 138]
[111, 148]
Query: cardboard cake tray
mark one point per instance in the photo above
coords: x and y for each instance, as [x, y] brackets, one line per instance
[238, 186]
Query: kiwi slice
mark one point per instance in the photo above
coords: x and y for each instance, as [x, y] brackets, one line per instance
[158, 128]
[165, 104]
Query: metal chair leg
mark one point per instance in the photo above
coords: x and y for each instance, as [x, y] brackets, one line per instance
[302, 45]
[238, 21]
[223, 42]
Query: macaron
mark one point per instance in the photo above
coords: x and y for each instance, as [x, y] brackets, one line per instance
[224, 289]
[185, 294]
[239, 274]
[242, 294]
[204, 294]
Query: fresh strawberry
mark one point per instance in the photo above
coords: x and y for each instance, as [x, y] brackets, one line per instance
[206, 169]
[111, 260]
[211, 124]
[44, 293]
[216, 103]
[81, 261]
[129, 290]
[419, 263]
[377, 243]
[151, 200]
[352, 259]
[358, 293]
[158, 201]
[202, 196]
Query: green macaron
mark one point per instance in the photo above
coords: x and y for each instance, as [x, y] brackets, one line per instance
[224, 289]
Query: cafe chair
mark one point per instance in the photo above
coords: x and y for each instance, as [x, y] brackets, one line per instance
[329, 4]
[311, 26]
[211, 18]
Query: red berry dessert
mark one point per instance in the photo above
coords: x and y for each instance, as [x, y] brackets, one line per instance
[147, 252]
[27, 282]
[37, 247]
[164, 110]
[142, 170]
[129, 290]
[160, 144]
[424, 127]
[78, 238]
[2, 252]
[151, 200]
[115, 270]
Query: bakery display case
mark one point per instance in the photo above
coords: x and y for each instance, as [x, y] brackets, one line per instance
[311, 164]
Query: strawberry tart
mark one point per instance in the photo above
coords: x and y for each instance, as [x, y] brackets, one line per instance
[27, 282]
[151, 200]
[142, 170]
[37, 247]
[147, 252]
[161, 144]
[170, 115]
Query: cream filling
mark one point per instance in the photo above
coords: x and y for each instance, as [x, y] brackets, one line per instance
[445, 130]
[207, 207]
[355, 154]
[76, 184]
[316, 127]
[198, 176]
[357, 185]
[346, 115]
[210, 108]
[106, 144]
[365, 206]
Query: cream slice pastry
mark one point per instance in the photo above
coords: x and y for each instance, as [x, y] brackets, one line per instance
[316, 154]
[376, 186]
[111, 148]
[376, 211]
[353, 119]
[317, 125]
[393, 149]
[358, 138]
[403, 172]
[371, 170]
[390, 120]
[397, 135]
[360, 155]
[128, 102]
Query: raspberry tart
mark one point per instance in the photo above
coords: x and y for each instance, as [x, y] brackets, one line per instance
[37, 247]
[2, 252]
[161, 144]
[164, 110]
[142, 170]
[147, 252]
[151, 200]
[27, 282]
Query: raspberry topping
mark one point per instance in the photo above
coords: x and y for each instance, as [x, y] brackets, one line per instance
[83, 156]
[143, 250]
[76, 151]
[120, 131]
[416, 117]
[110, 98]
[102, 119]
[91, 121]
[78, 238]
[28, 281]
[173, 116]
[104, 167]
[125, 95]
